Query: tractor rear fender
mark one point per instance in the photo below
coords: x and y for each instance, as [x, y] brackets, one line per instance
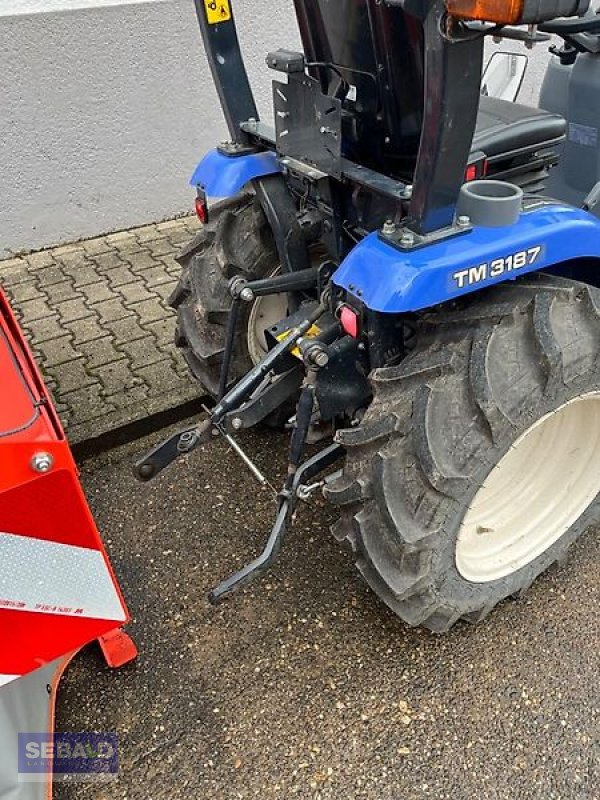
[390, 280]
[220, 175]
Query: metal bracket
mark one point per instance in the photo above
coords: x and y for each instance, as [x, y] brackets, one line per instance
[266, 400]
[236, 149]
[407, 240]
[308, 123]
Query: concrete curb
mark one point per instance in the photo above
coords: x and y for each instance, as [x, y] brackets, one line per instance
[95, 315]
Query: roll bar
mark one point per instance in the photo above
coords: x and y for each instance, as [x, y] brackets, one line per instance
[227, 66]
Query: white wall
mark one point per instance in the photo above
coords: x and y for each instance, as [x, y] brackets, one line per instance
[107, 105]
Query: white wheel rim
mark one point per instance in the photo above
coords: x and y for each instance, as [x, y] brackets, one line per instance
[265, 312]
[535, 493]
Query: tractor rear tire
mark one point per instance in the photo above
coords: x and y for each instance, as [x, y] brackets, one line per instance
[237, 241]
[477, 465]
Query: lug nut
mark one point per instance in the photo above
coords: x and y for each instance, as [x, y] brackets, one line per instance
[42, 462]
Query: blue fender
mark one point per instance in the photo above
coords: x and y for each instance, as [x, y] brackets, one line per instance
[219, 175]
[393, 281]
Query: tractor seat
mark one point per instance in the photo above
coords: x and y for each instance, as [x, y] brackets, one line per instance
[505, 128]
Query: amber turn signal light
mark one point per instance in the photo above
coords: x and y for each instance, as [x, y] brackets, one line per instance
[503, 12]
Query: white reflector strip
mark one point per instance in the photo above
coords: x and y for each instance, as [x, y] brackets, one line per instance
[52, 578]
[4, 679]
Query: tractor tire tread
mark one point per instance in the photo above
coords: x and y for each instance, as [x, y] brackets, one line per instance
[236, 241]
[481, 373]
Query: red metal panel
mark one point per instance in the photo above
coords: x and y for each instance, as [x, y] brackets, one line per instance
[41, 514]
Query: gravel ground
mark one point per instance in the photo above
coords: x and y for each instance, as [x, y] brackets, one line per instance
[304, 685]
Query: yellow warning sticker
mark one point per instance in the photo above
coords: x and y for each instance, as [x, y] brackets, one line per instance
[217, 11]
[312, 331]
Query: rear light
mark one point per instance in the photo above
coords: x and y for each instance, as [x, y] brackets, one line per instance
[503, 12]
[349, 321]
[201, 208]
[477, 168]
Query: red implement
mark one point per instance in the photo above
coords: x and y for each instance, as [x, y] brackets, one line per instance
[57, 587]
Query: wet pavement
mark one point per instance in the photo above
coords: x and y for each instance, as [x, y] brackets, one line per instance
[304, 684]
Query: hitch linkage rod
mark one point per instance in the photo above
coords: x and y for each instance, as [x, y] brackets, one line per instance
[287, 503]
[288, 496]
[185, 441]
[241, 289]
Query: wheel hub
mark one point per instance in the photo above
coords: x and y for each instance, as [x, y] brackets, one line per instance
[534, 494]
[265, 312]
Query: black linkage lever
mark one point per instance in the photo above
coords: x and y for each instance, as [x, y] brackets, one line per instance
[164, 453]
[288, 496]
[149, 465]
[287, 503]
[300, 280]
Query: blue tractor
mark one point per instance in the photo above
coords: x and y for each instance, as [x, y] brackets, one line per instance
[384, 275]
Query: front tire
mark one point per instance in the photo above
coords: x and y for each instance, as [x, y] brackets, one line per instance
[477, 464]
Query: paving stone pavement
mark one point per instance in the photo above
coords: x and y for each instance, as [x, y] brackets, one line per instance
[96, 317]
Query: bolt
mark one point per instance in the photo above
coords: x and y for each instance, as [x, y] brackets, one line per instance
[247, 295]
[531, 32]
[236, 424]
[463, 221]
[146, 471]
[252, 123]
[320, 358]
[42, 462]
[389, 227]
[407, 239]
[408, 190]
